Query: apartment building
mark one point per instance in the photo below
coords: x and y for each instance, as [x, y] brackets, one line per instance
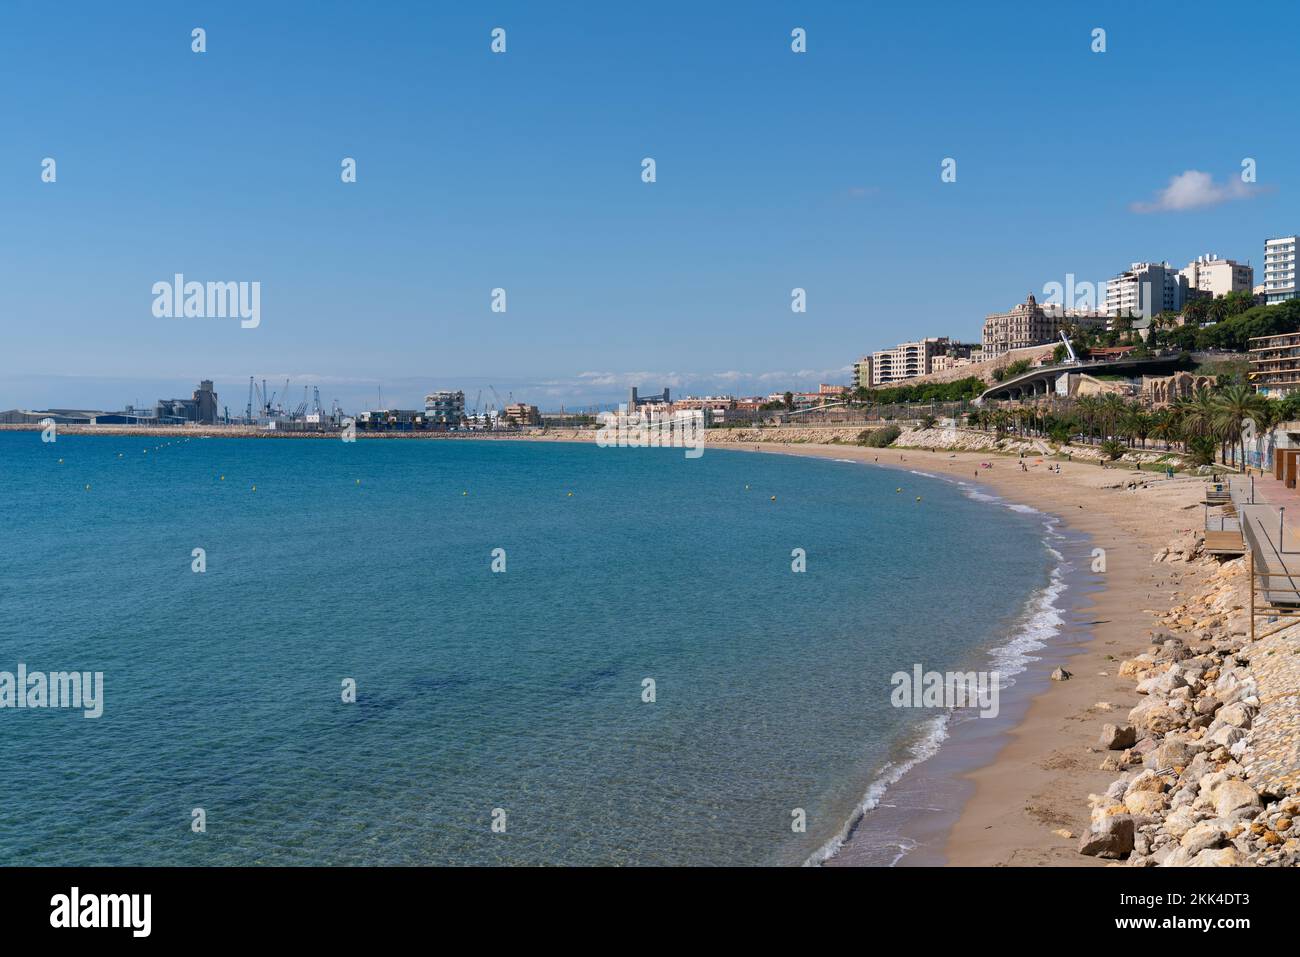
[445, 407]
[907, 360]
[1211, 277]
[1275, 365]
[1144, 290]
[1279, 269]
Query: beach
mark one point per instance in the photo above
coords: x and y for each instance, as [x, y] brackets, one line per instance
[1039, 781]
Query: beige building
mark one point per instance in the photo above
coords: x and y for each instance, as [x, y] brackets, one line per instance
[522, 415]
[1026, 324]
[1209, 276]
[1275, 365]
[907, 360]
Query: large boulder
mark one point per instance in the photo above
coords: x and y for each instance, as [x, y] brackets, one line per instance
[1179, 822]
[1110, 836]
[1146, 803]
[1174, 753]
[1117, 737]
[1146, 781]
[1163, 684]
[1201, 836]
[1227, 736]
[1221, 857]
[1235, 800]
[1237, 715]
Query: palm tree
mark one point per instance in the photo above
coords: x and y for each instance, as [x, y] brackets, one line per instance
[1164, 426]
[1235, 406]
[1199, 416]
[1088, 412]
[1137, 423]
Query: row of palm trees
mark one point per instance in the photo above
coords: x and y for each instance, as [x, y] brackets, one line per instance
[1225, 420]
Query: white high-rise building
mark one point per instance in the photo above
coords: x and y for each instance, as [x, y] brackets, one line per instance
[1144, 290]
[1279, 269]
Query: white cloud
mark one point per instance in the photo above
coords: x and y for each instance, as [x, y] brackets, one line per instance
[1193, 190]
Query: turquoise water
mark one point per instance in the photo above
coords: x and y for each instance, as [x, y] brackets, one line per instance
[520, 691]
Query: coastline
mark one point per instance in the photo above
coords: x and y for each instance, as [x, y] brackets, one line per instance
[1035, 787]
[1022, 787]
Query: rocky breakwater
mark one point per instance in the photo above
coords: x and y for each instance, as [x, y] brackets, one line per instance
[973, 440]
[1204, 781]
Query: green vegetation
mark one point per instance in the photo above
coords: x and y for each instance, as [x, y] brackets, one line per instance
[879, 438]
[1233, 327]
[1113, 449]
[961, 389]
[1230, 420]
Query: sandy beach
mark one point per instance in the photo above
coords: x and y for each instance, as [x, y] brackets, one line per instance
[1039, 782]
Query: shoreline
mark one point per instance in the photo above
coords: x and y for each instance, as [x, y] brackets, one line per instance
[1019, 804]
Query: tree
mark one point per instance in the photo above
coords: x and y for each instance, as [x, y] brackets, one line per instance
[1234, 406]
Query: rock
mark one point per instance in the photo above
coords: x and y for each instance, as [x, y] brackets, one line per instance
[1207, 705]
[1060, 674]
[1146, 781]
[1227, 736]
[1117, 737]
[1164, 683]
[1157, 718]
[1235, 800]
[1174, 754]
[1223, 857]
[1064, 833]
[1201, 836]
[1111, 838]
[1237, 715]
[1180, 821]
[1145, 803]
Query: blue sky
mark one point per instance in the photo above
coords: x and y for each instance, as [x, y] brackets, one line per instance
[522, 171]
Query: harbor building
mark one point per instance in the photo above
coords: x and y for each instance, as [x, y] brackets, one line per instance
[636, 400]
[201, 407]
[521, 415]
[445, 408]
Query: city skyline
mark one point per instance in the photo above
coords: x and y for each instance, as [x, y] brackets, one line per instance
[774, 171]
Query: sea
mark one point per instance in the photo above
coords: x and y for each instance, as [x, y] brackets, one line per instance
[447, 652]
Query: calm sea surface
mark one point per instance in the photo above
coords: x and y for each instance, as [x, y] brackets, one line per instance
[476, 690]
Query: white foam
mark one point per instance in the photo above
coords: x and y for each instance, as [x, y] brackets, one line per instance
[935, 731]
[1041, 620]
